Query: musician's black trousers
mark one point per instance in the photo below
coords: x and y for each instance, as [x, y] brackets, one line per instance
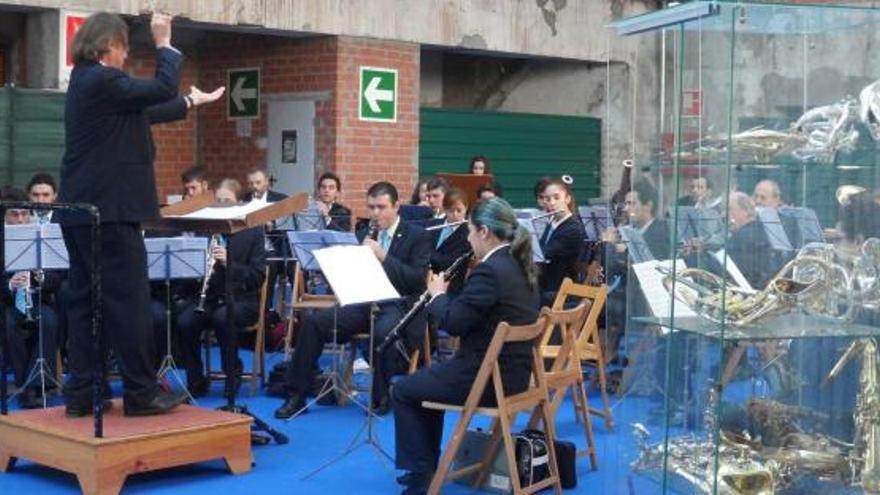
[125, 299]
[317, 328]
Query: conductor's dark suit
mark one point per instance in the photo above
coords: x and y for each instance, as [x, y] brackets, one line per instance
[562, 249]
[406, 265]
[108, 162]
[247, 261]
[496, 291]
[445, 253]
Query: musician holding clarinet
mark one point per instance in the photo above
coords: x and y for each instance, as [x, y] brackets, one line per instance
[502, 287]
[108, 162]
[404, 250]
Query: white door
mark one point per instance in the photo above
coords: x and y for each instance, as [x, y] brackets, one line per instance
[290, 157]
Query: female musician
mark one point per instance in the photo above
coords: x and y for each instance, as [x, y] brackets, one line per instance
[562, 241]
[451, 242]
[420, 193]
[243, 253]
[502, 287]
[480, 166]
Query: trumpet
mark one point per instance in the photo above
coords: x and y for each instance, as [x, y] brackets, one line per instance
[210, 263]
[442, 225]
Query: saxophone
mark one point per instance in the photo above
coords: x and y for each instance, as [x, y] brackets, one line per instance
[210, 263]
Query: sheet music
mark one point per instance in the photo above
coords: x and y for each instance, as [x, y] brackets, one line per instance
[651, 282]
[25, 252]
[355, 275]
[529, 225]
[772, 224]
[305, 244]
[733, 270]
[184, 257]
[235, 212]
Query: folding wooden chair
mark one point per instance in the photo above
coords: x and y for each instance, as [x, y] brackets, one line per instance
[588, 343]
[534, 398]
[258, 367]
[565, 372]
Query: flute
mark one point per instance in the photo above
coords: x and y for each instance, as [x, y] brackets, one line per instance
[548, 214]
[442, 225]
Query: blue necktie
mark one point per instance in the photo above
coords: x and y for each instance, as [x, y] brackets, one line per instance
[546, 235]
[20, 300]
[444, 234]
[384, 240]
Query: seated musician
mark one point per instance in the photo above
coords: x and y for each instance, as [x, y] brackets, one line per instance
[41, 189]
[748, 245]
[767, 194]
[562, 240]
[437, 188]
[194, 181]
[244, 255]
[640, 208]
[335, 215]
[480, 166]
[502, 287]
[404, 250]
[23, 308]
[489, 190]
[450, 242]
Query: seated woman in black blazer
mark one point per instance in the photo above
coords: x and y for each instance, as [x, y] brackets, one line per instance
[502, 287]
[244, 254]
[450, 243]
[562, 240]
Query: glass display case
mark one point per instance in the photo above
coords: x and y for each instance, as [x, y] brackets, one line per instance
[743, 303]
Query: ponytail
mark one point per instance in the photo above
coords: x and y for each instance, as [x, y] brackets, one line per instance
[498, 216]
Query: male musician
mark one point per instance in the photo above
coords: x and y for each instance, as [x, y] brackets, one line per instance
[22, 303]
[748, 246]
[108, 162]
[244, 254]
[437, 188]
[194, 181]
[41, 189]
[767, 194]
[258, 187]
[336, 216]
[404, 250]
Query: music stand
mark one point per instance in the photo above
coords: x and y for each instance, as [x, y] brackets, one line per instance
[356, 277]
[596, 220]
[36, 248]
[636, 247]
[177, 258]
[304, 246]
[703, 223]
[772, 224]
[529, 225]
[801, 225]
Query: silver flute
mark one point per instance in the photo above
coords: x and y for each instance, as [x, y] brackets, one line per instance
[442, 225]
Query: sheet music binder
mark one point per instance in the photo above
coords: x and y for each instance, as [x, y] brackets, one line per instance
[176, 258]
[305, 243]
[35, 247]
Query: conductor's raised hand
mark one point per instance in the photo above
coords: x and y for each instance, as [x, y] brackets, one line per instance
[160, 26]
[199, 97]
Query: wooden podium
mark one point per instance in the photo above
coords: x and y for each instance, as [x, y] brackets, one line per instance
[468, 183]
[102, 458]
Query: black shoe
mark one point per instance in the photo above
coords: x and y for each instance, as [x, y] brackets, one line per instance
[81, 410]
[162, 403]
[30, 399]
[382, 406]
[232, 385]
[291, 406]
[416, 483]
[199, 388]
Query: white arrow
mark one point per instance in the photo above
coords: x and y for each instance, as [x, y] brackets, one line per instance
[374, 95]
[238, 93]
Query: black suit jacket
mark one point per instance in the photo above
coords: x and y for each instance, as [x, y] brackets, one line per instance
[271, 196]
[561, 254]
[109, 151]
[657, 238]
[453, 247]
[406, 263]
[749, 248]
[496, 291]
[246, 255]
[340, 218]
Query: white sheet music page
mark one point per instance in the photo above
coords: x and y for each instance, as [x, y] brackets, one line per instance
[733, 270]
[355, 275]
[226, 212]
[659, 299]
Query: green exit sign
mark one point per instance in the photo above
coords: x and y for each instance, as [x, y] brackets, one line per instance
[243, 93]
[378, 94]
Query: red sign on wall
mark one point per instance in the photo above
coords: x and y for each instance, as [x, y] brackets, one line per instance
[70, 24]
[692, 103]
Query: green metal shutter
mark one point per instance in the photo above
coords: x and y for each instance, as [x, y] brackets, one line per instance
[37, 133]
[521, 147]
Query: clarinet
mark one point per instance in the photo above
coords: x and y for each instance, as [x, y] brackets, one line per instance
[393, 336]
[210, 263]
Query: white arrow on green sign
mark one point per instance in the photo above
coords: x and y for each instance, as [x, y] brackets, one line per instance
[243, 93]
[378, 94]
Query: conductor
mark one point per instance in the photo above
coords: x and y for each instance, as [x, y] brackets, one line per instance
[108, 162]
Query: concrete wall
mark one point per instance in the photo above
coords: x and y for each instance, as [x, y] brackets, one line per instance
[554, 28]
